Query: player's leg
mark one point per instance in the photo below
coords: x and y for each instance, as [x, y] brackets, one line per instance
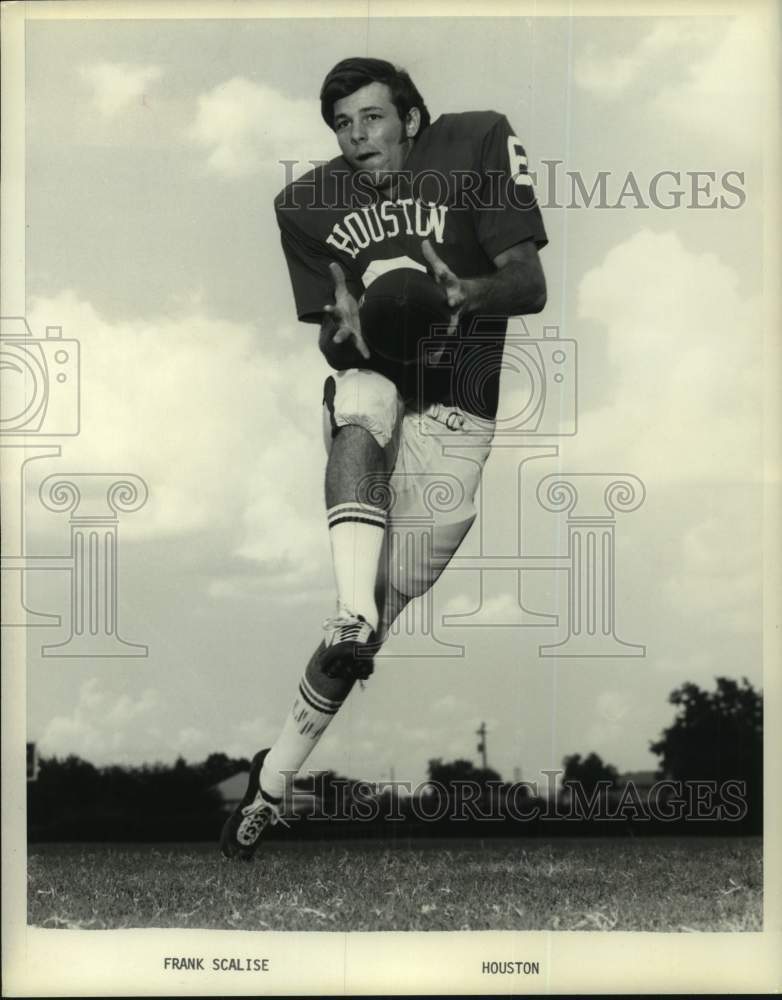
[434, 490]
[361, 423]
[406, 571]
[356, 527]
[401, 571]
[320, 696]
[362, 412]
[318, 699]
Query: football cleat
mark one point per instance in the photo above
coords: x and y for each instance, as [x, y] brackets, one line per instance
[243, 828]
[350, 643]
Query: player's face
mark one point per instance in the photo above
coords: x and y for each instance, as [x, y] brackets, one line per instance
[371, 135]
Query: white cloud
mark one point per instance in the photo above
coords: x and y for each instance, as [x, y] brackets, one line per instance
[116, 86]
[711, 76]
[609, 74]
[718, 576]
[286, 519]
[102, 727]
[612, 706]
[686, 349]
[499, 609]
[609, 712]
[245, 126]
[105, 727]
[447, 704]
[690, 665]
[190, 740]
[127, 710]
[222, 425]
[235, 740]
[722, 94]
[459, 604]
[286, 584]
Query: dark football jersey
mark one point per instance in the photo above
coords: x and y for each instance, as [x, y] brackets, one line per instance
[465, 187]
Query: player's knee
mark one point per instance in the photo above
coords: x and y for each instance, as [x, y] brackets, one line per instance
[363, 398]
[407, 577]
[414, 581]
[416, 559]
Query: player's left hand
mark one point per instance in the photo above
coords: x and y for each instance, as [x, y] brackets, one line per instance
[452, 286]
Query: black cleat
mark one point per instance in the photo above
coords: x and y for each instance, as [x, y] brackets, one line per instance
[350, 644]
[243, 828]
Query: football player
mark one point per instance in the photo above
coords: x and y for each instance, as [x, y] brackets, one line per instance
[452, 198]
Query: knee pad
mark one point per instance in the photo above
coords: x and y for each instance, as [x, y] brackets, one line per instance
[362, 398]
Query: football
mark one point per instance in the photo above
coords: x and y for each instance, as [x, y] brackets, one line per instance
[399, 309]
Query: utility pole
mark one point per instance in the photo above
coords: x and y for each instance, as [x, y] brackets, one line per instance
[481, 731]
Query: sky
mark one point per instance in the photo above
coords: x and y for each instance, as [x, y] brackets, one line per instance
[153, 154]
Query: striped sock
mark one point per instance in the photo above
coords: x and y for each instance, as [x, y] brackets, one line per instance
[306, 723]
[356, 531]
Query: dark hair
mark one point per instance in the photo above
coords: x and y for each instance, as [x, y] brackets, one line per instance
[351, 75]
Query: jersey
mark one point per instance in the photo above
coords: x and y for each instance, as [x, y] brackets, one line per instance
[466, 188]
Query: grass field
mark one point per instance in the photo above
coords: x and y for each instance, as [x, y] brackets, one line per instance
[618, 884]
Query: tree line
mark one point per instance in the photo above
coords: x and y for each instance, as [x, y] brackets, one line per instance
[715, 736]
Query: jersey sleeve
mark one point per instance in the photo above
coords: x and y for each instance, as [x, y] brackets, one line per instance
[513, 214]
[308, 267]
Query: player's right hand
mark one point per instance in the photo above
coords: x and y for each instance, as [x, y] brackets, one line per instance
[345, 314]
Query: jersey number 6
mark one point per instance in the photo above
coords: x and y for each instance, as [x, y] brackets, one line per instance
[518, 161]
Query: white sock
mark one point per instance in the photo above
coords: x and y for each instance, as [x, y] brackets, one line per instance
[356, 531]
[306, 723]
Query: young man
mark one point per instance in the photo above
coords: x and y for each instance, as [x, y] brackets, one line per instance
[452, 198]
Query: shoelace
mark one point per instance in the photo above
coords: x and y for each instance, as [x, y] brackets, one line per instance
[346, 628]
[260, 813]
